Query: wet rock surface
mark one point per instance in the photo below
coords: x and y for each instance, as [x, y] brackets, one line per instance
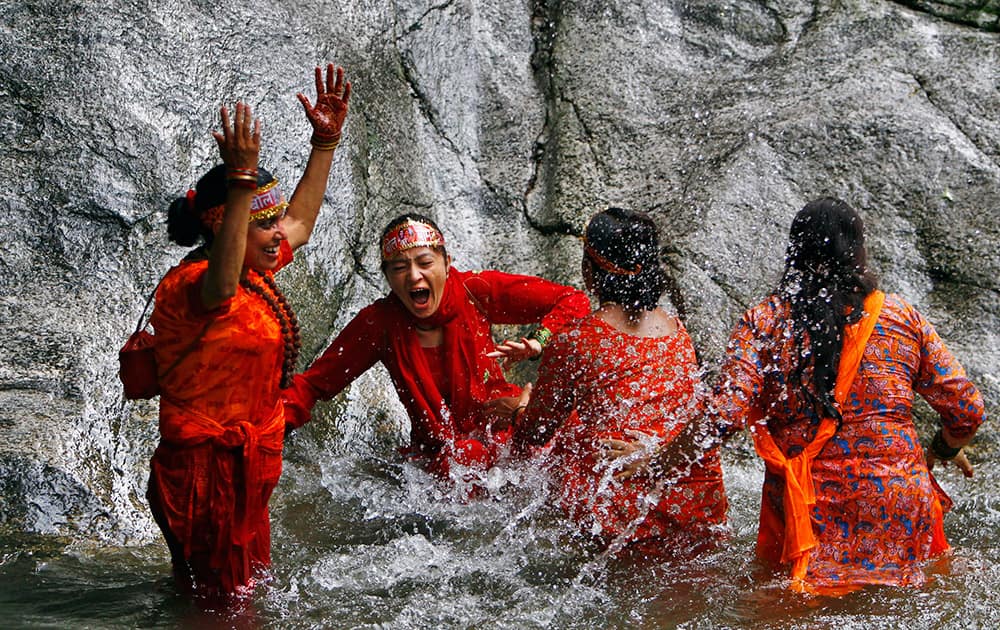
[511, 123]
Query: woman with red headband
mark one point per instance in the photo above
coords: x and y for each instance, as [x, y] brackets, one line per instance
[226, 342]
[613, 390]
[432, 332]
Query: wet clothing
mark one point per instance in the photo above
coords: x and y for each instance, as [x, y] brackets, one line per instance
[877, 513]
[443, 389]
[596, 383]
[221, 430]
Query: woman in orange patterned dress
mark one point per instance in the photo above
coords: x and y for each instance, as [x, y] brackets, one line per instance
[824, 371]
[612, 390]
[226, 342]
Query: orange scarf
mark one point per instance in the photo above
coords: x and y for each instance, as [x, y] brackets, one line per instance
[799, 495]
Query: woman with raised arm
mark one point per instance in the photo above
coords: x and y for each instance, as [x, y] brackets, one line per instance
[226, 342]
[613, 390]
[433, 334]
[824, 372]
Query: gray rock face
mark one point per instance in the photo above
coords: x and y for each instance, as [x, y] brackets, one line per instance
[511, 123]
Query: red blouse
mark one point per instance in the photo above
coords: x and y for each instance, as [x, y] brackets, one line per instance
[384, 332]
[596, 382]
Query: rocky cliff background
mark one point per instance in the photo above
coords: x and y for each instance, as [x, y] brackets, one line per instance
[509, 122]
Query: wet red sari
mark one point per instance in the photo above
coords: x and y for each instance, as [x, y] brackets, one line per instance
[596, 383]
[221, 432]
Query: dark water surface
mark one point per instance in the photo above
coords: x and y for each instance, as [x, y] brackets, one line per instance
[360, 543]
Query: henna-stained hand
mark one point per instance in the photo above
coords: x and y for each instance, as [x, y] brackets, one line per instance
[332, 96]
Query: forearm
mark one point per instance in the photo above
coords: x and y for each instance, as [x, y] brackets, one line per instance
[225, 262]
[304, 206]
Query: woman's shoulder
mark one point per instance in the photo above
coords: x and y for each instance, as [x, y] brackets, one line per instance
[898, 310]
[578, 330]
[179, 280]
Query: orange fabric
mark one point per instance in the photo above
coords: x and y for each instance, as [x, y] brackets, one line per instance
[878, 513]
[596, 383]
[799, 494]
[221, 430]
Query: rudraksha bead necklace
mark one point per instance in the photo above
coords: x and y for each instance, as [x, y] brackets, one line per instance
[283, 312]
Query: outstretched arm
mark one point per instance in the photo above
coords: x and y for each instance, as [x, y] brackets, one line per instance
[515, 299]
[327, 117]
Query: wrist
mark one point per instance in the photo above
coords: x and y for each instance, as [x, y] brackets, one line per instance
[941, 448]
[322, 141]
[241, 178]
[514, 415]
[541, 336]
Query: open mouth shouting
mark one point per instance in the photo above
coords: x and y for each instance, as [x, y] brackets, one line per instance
[421, 298]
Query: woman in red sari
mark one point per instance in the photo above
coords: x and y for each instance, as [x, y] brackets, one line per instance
[432, 332]
[615, 388]
[226, 342]
[824, 372]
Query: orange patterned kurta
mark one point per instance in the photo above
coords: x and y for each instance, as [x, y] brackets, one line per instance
[877, 515]
[617, 382]
[221, 430]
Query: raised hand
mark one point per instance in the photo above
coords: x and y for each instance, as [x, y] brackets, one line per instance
[327, 116]
[239, 142]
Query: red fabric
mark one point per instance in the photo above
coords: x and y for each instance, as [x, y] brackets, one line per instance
[595, 383]
[436, 364]
[385, 331]
[221, 431]
[877, 515]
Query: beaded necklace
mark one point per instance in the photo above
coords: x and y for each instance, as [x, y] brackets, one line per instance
[282, 310]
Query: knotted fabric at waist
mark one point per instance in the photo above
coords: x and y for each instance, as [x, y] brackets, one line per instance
[234, 498]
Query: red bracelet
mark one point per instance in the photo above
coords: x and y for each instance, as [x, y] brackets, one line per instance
[242, 182]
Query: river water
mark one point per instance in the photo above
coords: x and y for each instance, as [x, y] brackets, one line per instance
[363, 543]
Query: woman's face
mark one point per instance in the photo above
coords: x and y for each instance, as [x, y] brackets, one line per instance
[417, 277]
[263, 243]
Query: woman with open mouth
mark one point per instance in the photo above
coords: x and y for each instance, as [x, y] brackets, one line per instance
[226, 342]
[432, 332]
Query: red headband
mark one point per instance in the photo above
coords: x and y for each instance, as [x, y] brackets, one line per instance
[606, 264]
[410, 234]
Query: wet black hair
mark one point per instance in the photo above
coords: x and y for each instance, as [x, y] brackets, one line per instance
[411, 216]
[184, 226]
[629, 240]
[825, 282]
